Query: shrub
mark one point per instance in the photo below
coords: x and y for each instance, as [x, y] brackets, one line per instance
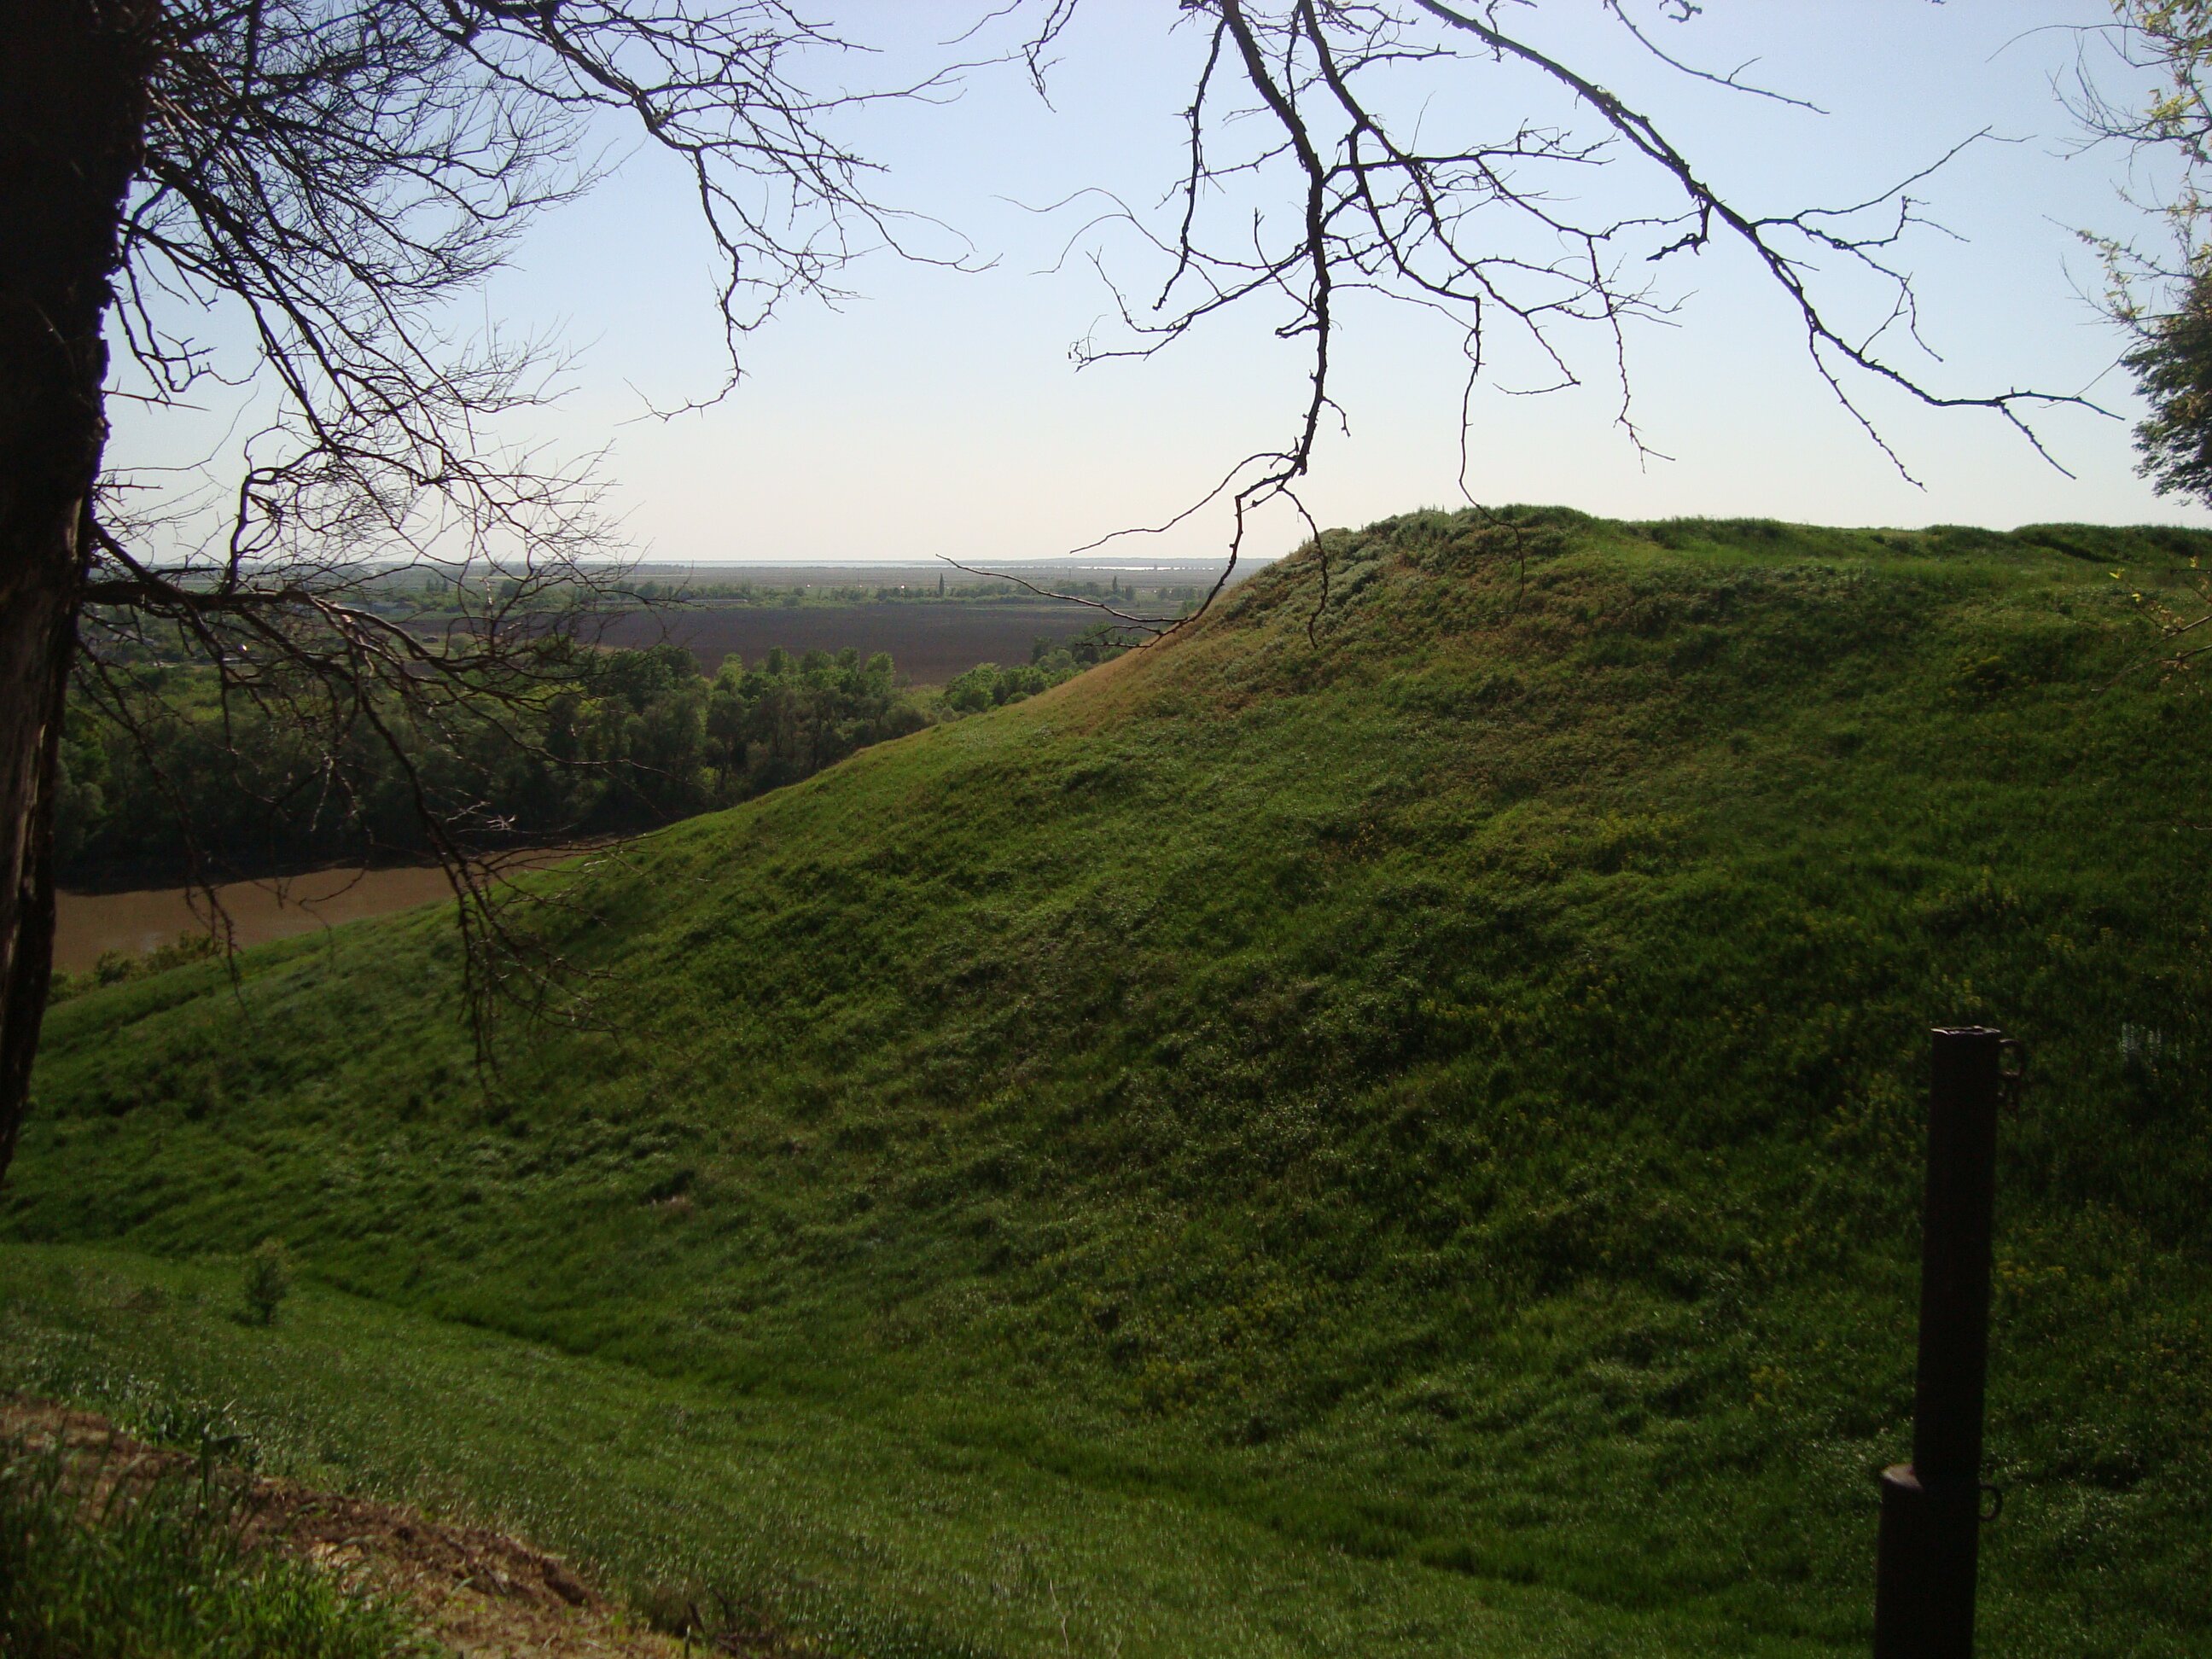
[119, 967]
[267, 1282]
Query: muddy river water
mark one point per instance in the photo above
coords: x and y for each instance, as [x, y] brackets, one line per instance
[87, 924]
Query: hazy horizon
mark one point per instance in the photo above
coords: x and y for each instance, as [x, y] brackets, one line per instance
[934, 411]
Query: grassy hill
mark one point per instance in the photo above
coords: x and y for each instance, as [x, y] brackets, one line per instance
[1385, 1125]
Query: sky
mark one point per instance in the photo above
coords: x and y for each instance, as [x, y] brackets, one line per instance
[936, 412]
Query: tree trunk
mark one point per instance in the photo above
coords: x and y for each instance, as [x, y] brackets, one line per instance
[73, 97]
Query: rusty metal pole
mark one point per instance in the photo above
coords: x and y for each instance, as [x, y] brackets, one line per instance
[1924, 1603]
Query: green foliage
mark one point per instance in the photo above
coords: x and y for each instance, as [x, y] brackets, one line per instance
[2173, 366]
[2179, 36]
[2163, 299]
[266, 1281]
[158, 1570]
[1280, 1148]
[1052, 662]
[990, 685]
[793, 716]
[118, 967]
[631, 739]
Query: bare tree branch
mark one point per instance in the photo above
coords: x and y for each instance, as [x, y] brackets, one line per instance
[1311, 174]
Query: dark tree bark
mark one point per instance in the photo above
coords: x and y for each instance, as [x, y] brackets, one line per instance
[72, 110]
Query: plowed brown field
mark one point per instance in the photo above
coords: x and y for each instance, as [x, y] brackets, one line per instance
[930, 642]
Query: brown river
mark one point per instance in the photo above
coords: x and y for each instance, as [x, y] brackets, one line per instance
[87, 924]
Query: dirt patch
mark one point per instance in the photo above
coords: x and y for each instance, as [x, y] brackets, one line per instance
[481, 1593]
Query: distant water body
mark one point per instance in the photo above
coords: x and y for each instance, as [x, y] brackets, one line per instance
[86, 925]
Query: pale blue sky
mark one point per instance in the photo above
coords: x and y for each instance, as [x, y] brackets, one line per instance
[936, 413]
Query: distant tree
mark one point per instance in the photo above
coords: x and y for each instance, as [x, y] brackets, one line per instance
[2172, 360]
[2160, 289]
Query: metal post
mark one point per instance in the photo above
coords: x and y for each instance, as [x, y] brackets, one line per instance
[1924, 1604]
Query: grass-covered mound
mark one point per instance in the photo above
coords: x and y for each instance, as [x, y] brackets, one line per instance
[1377, 1124]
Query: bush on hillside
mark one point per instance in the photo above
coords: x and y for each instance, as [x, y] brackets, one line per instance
[118, 967]
[266, 1282]
[992, 685]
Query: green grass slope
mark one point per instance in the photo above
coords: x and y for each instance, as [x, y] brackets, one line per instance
[1389, 1124]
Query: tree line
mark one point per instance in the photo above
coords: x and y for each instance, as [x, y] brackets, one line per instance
[197, 785]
